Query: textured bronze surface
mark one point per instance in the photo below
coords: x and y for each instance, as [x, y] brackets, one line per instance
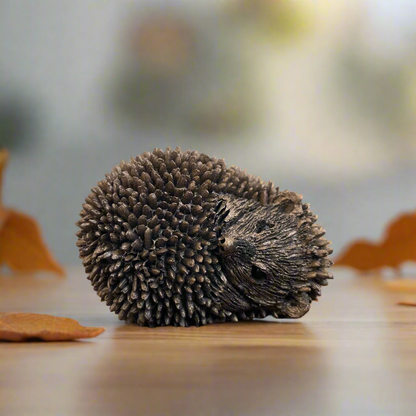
[177, 238]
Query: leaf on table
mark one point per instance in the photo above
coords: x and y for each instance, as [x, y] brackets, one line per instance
[21, 245]
[32, 326]
[407, 304]
[397, 247]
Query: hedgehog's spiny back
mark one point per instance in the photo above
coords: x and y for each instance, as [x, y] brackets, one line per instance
[148, 235]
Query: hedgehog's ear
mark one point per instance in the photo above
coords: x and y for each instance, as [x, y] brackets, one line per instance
[289, 202]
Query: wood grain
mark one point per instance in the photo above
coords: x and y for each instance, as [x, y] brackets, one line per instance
[353, 354]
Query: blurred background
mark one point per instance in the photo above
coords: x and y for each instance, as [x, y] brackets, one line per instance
[318, 96]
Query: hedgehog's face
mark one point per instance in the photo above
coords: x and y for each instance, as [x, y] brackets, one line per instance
[268, 255]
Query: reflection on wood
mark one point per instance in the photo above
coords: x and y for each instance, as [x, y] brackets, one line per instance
[354, 353]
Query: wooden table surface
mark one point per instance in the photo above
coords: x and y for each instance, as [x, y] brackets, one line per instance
[353, 354]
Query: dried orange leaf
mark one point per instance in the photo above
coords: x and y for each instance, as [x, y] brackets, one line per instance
[397, 247]
[4, 213]
[4, 157]
[31, 326]
[407, 304]
[22, 247]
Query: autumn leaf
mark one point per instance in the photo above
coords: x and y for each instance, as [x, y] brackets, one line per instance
[413, 304]
[21, 245]
[4, 155]
[32, 326]
[3, 216]
[397, 247]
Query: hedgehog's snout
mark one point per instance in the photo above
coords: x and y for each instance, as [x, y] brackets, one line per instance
[226, 245]
[236, 247]
[229, 246]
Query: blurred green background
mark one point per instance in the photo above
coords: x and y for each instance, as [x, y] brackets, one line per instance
[318, 96]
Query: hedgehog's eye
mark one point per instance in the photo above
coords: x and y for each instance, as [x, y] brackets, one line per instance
[263, 225]
[257, 274]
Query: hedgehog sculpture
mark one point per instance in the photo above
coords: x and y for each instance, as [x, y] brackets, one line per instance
[177, 238]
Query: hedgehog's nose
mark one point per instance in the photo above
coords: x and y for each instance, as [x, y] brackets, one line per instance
[226, 245]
